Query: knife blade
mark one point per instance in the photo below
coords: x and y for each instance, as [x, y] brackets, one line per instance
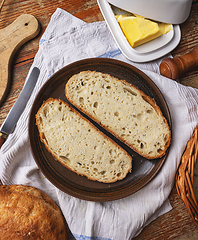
[17, 109]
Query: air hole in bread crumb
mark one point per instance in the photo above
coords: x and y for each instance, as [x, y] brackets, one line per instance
[116, 114]
[112, 161]
[165, 138]
[129, 91]
[119, 174]
[108, 87]
[43, 137]
[139, 116]
[95, 169]
[159, 150]
[95, 104]
[156, 144]
[80, 90]
[41, 120]
[107, 80]
[149, 111]
[45, 111]
[65, 159]
[81, 100]
[103, 172]
[141, 145]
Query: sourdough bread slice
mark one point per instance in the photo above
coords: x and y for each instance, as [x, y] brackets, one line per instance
[79, 145]
[122, 109]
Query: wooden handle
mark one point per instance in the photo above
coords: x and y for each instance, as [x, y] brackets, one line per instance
[2, 138]
[1, 141]
[175, 67]
[12, 38]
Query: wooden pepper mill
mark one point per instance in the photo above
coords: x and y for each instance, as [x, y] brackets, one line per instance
[175, 67]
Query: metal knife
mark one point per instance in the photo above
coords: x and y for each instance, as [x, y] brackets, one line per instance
[17, 109]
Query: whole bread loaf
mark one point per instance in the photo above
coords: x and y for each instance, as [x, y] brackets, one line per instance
[122, 109]
[79, 145]
[28, 213]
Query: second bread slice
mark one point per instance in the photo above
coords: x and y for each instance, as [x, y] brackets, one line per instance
[80, 146]
[123, 110]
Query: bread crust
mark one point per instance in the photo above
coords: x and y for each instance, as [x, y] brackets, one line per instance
[144, 96]
[28, 213]
[64, 163]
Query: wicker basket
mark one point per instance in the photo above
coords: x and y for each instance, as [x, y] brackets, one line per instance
[185, 174]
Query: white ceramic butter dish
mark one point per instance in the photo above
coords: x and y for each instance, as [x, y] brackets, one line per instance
[146, 52]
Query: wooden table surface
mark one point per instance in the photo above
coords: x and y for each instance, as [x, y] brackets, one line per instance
[177, 223]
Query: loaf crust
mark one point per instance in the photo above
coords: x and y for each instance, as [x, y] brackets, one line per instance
[28, 213]
[79, 145]
[122, 109]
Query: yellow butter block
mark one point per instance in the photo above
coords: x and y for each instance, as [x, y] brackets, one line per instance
[165, 27]
[139, 30]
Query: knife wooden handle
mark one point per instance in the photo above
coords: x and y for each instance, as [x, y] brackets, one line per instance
[1, 141]
[175, 67]
[2, 138]
[12, 37]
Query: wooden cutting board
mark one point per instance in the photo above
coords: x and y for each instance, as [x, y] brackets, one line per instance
[12, 37]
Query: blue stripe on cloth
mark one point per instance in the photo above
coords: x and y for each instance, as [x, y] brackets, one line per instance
[111, 54]
[41, 41]
[82, 237]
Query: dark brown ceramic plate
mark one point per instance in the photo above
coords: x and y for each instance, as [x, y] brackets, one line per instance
[69, 182]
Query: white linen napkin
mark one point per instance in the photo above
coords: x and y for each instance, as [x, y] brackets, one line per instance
[68, 39]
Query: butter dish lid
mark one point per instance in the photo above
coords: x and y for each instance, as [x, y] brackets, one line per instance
[168, 11]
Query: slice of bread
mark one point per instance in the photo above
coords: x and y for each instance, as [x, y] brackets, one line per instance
[79, 145]
[122, 109]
